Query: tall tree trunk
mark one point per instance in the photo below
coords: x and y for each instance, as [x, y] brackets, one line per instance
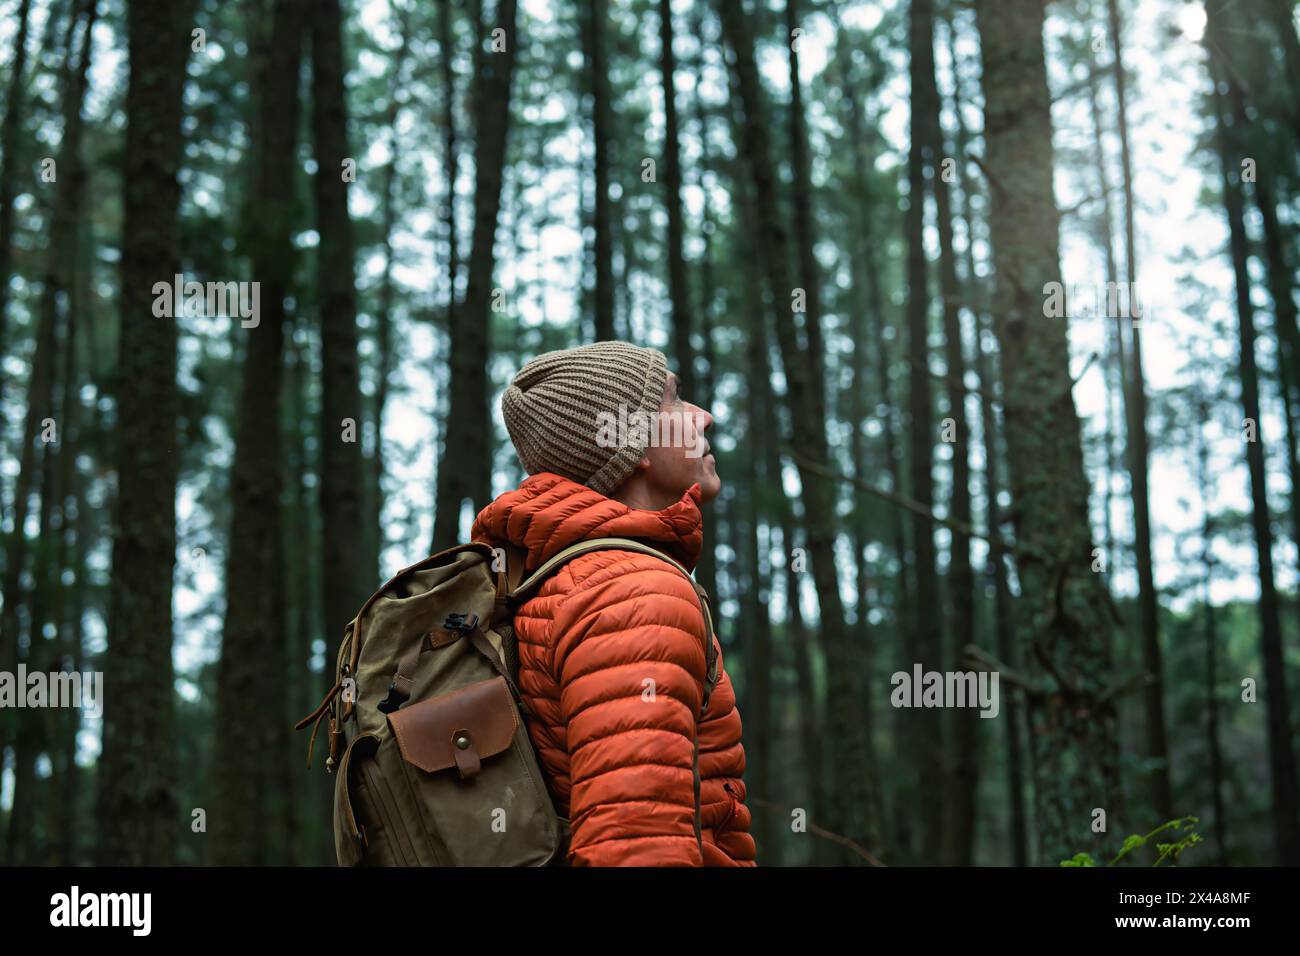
[1281, 755]
[927, 737]
[760, 709]
[706, 569]
[1114, 340]
[1281, 13]
[451, 168]
[964, 739]
[809, 274]
[55, 280]
[10, 131]
[1157, 744]
[678, 290]
[594, 47]
[990, 430]
[869, 337]
[255, 625]
[1066, 613]
[865, 311]
[849, 796]
[384, 313]
[74, 525]
[1213, 743]
[765, 465]
[137, 799]
[465, 467]
[1281, 287]
[348, 574]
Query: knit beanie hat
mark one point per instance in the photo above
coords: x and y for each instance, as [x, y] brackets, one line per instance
[556, 406]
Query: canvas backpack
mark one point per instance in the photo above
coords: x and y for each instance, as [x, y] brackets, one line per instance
[432, 760]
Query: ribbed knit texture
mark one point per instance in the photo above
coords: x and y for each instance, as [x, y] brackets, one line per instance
[552, 407]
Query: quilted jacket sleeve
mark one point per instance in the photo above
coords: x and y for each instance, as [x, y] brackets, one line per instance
[629, 659]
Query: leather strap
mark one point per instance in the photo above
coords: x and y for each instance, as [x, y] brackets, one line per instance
[484, 647]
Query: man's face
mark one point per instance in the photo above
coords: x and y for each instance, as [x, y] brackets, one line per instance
[680, 456]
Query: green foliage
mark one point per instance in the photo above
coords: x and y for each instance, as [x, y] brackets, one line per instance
[1165, 852]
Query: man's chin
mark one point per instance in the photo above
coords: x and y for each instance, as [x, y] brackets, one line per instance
[710, 486]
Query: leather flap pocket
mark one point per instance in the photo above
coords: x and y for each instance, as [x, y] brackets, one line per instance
[459, 729]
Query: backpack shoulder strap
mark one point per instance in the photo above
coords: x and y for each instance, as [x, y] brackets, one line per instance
[557, 561]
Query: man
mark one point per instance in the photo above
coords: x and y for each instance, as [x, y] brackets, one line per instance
[611, 648]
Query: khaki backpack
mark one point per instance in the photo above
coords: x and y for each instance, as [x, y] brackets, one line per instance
[433, 764]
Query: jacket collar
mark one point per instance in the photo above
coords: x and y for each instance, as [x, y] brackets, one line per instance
[547, 513]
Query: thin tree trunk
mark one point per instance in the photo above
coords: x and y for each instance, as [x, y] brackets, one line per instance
[678, 289]
[805, 233]
[865, 313]
[1113, 339]
[465, 467]
[24, 840]
[451, 166]
[1282, 291]
[348, 574]
[1213, 744]
[849, 797]
[384, 313]
[927, 738]
[964, 724]
[137, 798]
[248, 692]
[706, 571]
[990, 430]
[1281, 755]
[594, 47]
[1281, 13]
[760, 708]
[1157, 744]
[873, 340]
[815, 796]
[10, 131]
[1065, 608]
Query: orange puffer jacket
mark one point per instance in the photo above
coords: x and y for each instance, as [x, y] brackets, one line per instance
[617, 759]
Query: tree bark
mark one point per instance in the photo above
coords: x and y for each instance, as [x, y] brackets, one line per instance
[1157, 744]
[348, 573]
[678, 289]
[594, 48]
[805, 232]
[1281, 755]
[255, 625]
[10, 131]
[964, 724]
[1213, 744]
[451, 167]
[1066, 615]
[990, 430]
[849, 795]
[465, 467]
[137, 798]
[24, 839]
[928, 625]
